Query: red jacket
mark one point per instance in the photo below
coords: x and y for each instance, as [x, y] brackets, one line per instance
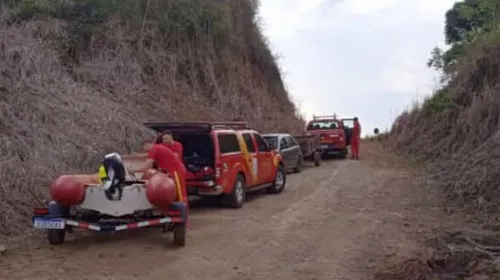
[177, 148]
[356, 131]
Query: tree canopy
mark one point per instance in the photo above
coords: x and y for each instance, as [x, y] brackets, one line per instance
[465, 22]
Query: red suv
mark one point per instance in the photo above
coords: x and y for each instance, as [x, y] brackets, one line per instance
[332, 134]
[226, 160]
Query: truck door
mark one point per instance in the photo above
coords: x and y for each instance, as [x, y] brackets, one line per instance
[285, 151]
[254, 164]
[265, 158]
[347, 124]
[294, 148]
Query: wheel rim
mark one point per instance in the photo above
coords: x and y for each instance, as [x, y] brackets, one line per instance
[239, 191]
[280, 179]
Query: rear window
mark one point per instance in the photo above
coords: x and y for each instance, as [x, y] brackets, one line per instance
[317, 125]
[228, 143]
[272, 141]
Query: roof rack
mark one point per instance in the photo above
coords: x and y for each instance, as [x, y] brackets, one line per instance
[326, 117]
[236, 125]
[195, 126]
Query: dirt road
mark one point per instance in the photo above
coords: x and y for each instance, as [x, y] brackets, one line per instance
[337, 221]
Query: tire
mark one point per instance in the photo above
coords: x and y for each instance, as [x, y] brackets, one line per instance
[343, 155]
[237, 196]
[179, 231]
[56, 236]
[317, 159]
[298, 167]
[279, 181]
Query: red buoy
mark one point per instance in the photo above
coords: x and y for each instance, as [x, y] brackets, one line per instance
[67, 190]
[160, 191]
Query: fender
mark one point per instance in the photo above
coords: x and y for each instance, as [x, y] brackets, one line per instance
[237, 168]
[277, 160]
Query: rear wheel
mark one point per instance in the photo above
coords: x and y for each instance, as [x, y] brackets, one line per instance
[298, 167]
[179, 235]
[317, 159]
[343, 154]
[57, 236]
[237, 196]
[279, 181]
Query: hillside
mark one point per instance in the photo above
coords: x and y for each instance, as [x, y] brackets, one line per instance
[454, 133]
[77, 78]
[456, 129]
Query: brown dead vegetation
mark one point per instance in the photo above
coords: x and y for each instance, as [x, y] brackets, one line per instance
[455, 133]
[65, 104]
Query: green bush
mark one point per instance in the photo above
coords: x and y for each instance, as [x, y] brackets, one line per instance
[440, 102]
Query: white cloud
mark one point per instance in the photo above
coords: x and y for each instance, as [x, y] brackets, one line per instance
[355, 57]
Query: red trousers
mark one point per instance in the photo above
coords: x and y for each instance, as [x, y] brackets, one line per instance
[355, 147]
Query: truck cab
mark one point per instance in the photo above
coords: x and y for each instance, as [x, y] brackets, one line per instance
[226, 160]
[332, 135]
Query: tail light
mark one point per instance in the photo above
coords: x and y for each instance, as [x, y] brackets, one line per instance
[217, 171]
[41, 211]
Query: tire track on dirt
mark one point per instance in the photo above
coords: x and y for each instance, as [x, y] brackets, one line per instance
[292, 214]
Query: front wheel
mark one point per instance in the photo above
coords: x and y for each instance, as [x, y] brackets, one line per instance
[279, 181]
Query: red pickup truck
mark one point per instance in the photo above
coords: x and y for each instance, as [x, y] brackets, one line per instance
[226, 160]
[334, 136]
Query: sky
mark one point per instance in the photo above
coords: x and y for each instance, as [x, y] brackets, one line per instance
[364, 58]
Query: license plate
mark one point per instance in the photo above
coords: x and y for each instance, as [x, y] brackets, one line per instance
[48, 223]
[324, 146]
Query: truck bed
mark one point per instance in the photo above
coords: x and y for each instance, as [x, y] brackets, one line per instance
[308, 144]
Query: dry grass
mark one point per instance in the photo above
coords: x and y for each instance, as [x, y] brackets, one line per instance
[60, 115]
[456, 134]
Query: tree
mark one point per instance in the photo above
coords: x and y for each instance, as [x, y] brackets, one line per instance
[465, 22]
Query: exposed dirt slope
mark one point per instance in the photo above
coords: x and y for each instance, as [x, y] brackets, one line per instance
[455, 133]
[76, 81]
[456, 130]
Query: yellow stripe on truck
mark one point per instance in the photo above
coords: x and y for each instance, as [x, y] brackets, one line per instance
[248, 158]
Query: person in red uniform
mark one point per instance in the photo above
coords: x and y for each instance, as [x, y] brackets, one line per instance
[167, 139]
[167, 162]
[175, 146]
[356, 135]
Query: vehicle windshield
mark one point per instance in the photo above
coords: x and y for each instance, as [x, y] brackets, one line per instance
[317, 125]
[272, 141]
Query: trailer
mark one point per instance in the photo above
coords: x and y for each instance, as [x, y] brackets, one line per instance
[142, 200]
[311, 148]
